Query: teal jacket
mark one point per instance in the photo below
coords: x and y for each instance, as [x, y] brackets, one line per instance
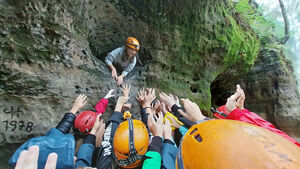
[153, 160]
[153, 156]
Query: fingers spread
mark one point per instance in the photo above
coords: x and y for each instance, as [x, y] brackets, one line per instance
[33, 155]
[21, 160]
[51, 161]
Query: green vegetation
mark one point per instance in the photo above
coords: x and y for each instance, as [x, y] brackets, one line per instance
[201, 40]
[264, 26]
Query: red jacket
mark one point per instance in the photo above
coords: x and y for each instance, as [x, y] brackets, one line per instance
[101, 106]
[252, 118]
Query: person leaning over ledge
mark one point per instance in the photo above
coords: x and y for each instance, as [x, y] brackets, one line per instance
[124, 58]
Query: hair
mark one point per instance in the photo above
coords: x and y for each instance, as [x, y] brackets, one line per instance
[78, 142]
[125, 56]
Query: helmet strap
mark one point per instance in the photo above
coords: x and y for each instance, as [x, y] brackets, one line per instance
[131, 137]
[179, 159]
[219, 112]
[133, 156]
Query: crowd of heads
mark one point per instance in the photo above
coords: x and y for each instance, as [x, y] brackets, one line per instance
[162, 117]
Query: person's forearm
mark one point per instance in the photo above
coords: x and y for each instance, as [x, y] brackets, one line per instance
[66, 123]
[155, 144]
[118, 107]
[90, 138]
[147, 107]
[124, 73]
[74, 110]
[111, 67]
[148, 110]
[101, 106]
[122, 76]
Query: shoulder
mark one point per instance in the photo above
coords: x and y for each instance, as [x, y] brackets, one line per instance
[118, 50]
[121, 49]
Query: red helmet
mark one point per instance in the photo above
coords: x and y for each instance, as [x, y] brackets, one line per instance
[84, 122]
[221, 112]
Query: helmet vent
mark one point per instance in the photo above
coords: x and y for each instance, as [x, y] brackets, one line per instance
[198, 138]
[195, 129]
[88, 120]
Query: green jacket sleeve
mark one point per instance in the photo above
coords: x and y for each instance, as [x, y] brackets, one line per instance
[153, 160]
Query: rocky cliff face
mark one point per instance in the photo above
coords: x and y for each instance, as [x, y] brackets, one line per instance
[53, 50]
[271, 90]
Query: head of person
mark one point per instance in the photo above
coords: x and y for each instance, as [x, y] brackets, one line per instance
[220, 144]
[132, 47]
[84, 122]
[130, 142]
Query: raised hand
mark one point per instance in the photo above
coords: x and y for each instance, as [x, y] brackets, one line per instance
[141, 97]
[109, 94]
[79, 103]
[126, 89]
[149, 97]
[121, 101]
[231, 102]
[29, 159]
[97, 125]
[193, 112]
[176, 99]
[99, 134]
[241, 99]
[164, 108]
[156, 107]
[98, 130]
[156, 126]
[168, 99]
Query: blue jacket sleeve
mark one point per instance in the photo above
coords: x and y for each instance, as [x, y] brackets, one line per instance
[168, 155]
[54, 141]
[84, 155]
[183, 130]
[85, 152]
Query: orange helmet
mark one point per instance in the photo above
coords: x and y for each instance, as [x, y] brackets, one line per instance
[226, 144]
[130, 143]
[133, 43]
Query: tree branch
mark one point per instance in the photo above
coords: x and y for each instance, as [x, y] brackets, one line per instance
[286, 23]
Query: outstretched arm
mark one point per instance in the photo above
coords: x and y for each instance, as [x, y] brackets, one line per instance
[153, 156]
[103, 154]
[110, 58]
[85, 152]
[102, 103]
[67, 122]
[173, 102]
